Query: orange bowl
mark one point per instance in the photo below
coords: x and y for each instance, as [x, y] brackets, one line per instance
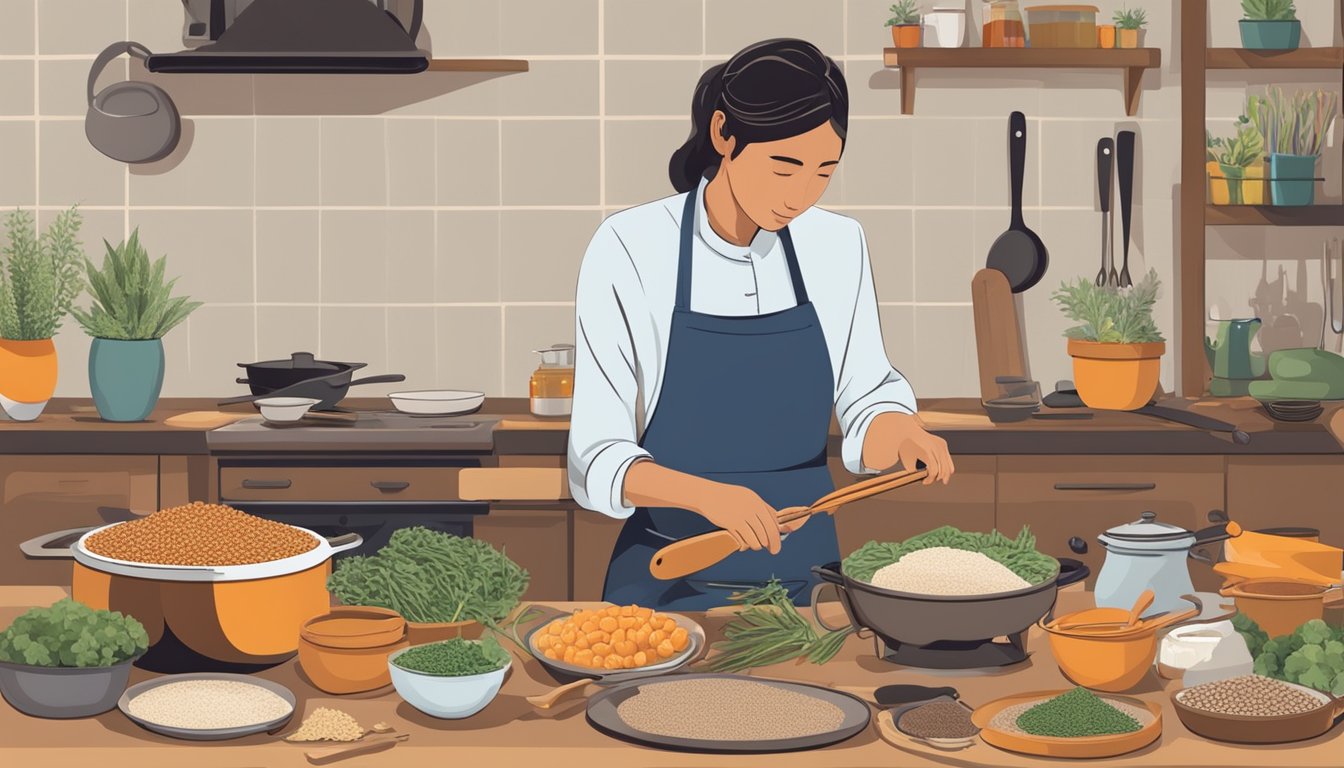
[354, 627]
[1110, 663]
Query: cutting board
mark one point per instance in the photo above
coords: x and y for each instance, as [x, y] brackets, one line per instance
[533, 425]
[998, 334]
[204, 419]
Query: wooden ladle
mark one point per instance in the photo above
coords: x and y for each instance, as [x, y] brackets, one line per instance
[1142, 604]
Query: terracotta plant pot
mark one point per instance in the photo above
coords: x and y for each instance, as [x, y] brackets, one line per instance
[1106, 36]
[1129, 38]
[905, 35]
[1116, 377]
[27, 377]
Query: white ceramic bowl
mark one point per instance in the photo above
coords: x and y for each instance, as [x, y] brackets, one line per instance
[437, 402]
[285, 408]
[451, 698]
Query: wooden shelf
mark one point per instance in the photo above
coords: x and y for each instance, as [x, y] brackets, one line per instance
[1133, 61]
[1301, 58]
[1282, 216]
[477, 65]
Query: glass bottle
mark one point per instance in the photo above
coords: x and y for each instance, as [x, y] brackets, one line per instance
[1003, 25]
[551, 387]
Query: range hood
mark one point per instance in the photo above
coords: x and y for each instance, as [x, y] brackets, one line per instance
[305, 36]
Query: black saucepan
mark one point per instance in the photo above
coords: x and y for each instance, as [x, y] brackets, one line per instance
[303, 376]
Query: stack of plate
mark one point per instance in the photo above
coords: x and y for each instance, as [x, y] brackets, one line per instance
[1293, 410]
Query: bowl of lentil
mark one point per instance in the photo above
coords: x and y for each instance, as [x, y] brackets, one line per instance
[452, 679]
[1252, 709]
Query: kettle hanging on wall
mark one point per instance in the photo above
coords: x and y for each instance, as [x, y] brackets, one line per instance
[132, 122]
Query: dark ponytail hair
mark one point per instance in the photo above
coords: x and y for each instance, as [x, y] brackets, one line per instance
[768, 91]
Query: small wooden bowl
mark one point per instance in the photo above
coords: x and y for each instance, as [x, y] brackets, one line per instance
[1277, 729]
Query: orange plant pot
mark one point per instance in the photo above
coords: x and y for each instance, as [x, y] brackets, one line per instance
[905, 35]
[1106, 36]
[1116, 377]
[27, 377]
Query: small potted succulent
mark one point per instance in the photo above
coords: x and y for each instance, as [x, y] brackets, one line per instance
[39, 280]
[133, 307]
[1236, 173]
[1270, 25]
[1129, 24]
[68, 660]
[1295, 129]
[904, 23]
[1116, 347]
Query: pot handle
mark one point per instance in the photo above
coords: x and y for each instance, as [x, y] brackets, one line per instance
[830, 577]
[40, 547]
[1076, 572]
[1206, 536]
[385, 378]
[344, 541]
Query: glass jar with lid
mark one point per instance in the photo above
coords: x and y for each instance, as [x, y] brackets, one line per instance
[1003, 27]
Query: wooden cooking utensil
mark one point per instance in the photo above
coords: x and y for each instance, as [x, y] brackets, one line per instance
[998, 337]
[365, 746]
[560, 693]
[1142, 604]
[682, 558]
[204, 419]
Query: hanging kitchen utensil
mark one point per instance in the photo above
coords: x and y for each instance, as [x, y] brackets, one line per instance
[1018, 253]
[1105, 160]
[682, 558]
[1124, 156]
[132, 122]
[1330, 250]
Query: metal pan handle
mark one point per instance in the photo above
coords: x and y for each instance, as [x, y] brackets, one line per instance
[344, 541]
[830, 577]
[41, 547]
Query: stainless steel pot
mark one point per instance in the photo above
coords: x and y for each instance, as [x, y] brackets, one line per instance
[1145, 554]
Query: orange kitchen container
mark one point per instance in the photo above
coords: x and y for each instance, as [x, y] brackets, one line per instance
[27, 376]
[1279, 606]
[346, 650]
[1295, 558]
[1103, 662]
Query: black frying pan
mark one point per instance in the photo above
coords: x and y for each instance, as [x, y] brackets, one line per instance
[302, 376]
[1018, 253]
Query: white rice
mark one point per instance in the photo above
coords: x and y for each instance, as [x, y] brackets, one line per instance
[947, 571]
[209, 704]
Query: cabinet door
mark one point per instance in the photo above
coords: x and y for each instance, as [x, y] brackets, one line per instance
[538, 540]
[967, 502]
[1277, 491]
[42, 494]
[594, 539]
[1066, 496]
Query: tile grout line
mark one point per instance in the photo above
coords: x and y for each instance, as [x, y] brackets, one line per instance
[256, 311]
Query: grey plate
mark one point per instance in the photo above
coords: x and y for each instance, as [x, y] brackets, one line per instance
[568, 673]
[603, 716]
[207, 734]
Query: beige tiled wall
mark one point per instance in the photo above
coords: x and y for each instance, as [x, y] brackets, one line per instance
[433, 225]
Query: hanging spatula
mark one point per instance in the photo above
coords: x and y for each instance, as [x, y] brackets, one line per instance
[682, 558]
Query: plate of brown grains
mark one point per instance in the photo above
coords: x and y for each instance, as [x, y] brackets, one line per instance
[943, 722]
[1253, 709]
[723, 713]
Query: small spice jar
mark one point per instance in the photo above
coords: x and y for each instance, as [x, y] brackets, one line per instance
[346, 650]
[1106, 35]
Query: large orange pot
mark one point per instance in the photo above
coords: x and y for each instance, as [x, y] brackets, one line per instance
[1116, 377]
[27, 377]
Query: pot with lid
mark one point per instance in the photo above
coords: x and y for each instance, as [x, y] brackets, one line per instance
[1145, 554]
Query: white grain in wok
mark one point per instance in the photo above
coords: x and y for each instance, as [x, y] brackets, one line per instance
[947, 571]
[209, 704]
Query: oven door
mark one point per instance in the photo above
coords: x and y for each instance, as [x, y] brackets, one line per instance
[374, 520]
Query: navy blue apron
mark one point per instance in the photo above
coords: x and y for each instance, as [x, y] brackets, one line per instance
[745, 401]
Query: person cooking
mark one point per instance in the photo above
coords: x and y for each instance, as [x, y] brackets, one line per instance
[717, 329]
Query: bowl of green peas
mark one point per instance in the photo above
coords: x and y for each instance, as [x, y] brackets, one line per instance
[451, 679]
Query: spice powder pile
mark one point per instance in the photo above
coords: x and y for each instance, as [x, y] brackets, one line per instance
[200, 534]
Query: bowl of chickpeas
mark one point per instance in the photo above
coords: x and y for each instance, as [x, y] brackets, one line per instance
[620, 638]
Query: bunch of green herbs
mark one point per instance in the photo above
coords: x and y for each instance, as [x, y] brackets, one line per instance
[770, 630]
[1313, 655]
[902, 13]
[131, 298]
[1075, 714]
[455, 657]
[1294, 125]
[39, 275]
[71, 634]
[431, 576]
[1269, 10]
[1130, 18]
[1111, 315]
[1242, 150]
[1018, 555]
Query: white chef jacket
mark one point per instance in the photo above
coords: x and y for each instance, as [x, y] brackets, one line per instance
[623, 318]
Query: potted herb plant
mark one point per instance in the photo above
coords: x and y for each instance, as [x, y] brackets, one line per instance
[68, 660]
[39, 280]
[1270, 25]
[1116, 347]
[133, 307]
[1295, 129]
[904, 23]
[1235, 170]
[1129, 24]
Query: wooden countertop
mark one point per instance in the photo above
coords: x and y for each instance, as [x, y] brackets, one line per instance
[72, 426]
[509, 732]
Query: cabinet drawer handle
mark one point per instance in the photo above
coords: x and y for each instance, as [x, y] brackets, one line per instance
[1105, 486]
[390, 485]
[266, 484]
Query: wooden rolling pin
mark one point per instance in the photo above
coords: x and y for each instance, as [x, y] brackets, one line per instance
[682, 558]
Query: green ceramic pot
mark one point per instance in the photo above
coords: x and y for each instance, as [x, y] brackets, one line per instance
[125, 377]
[1264, 35]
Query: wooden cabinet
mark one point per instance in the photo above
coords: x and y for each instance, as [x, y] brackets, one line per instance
[1275, 491]
[1081, 496]
[41, 494]
[536, 539]
[357, 483]
[967, 502]
[594, 539]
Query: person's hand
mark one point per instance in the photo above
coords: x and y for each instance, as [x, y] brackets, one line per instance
[901, 437]
[744, 514]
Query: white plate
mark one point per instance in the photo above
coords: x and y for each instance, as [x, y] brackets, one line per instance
[437, 402]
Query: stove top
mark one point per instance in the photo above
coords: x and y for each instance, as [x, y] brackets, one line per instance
[380, 430]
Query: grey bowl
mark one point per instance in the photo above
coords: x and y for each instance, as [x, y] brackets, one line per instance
[63, 692]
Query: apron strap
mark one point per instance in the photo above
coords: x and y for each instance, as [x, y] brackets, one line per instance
[686, 249]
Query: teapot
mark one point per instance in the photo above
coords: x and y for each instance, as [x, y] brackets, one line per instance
[1230, 356]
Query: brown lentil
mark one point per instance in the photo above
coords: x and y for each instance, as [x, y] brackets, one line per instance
[1249, 695]
[938, 720]
[200, 534]
[723, 709]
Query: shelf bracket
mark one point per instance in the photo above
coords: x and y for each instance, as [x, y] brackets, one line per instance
[907, 90]
[1133, 81]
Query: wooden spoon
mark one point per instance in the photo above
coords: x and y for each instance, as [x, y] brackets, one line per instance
[366, 746]
[560, 693]
[1142, 604]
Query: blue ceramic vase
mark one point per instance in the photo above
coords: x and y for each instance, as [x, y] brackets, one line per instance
[1277, 35]
[125, 377]
[1292, 179]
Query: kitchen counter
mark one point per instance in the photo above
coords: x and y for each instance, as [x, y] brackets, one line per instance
[509, 732]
